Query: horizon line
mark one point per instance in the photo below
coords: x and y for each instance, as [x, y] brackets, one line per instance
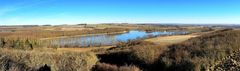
[125, 23]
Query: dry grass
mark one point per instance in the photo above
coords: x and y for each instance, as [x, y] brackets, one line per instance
[83, 35]
[83, 49]
[110, 67]
[168, 40]
[140, 53]
[41, 33]
[146, 54]
[174, 39]
[35, 59]
[199, 54]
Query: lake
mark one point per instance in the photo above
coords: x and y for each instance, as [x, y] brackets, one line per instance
[109, 39]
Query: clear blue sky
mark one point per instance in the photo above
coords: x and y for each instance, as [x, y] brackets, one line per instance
[19, 12]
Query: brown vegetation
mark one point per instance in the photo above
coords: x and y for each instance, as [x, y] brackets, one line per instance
[169, 40]
[202, 52]
[95, 49]
[20, 43]
[30, 38]
[110, 67]
[140, 53]
[196, 54]
[36, 34]
[19, 60]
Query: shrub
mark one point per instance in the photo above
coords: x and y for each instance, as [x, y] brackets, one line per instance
[146, 54]
[142, 56]
[20, 43]
[110, 67]
[131, 43]
[8, 65]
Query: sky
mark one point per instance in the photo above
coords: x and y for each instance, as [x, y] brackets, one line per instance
[54, 12]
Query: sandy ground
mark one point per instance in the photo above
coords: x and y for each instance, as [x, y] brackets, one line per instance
[168, 40]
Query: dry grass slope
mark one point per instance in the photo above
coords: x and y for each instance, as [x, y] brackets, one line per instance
[201, 53]
[20, 60]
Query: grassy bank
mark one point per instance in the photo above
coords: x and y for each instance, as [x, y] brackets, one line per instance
[201, 53]
[34, 60]
[20, 43]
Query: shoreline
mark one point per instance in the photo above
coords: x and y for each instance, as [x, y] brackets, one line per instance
[109, 46]
[84, 49]
[83, 35]
[161, 40]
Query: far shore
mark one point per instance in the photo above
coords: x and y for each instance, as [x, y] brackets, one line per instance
[84, 35]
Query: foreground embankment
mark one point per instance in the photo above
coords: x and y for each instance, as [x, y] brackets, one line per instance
[45, 60]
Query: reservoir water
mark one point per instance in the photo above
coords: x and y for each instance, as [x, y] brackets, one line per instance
[108, 39]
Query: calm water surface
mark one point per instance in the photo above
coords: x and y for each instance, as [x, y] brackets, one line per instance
[104, 39]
